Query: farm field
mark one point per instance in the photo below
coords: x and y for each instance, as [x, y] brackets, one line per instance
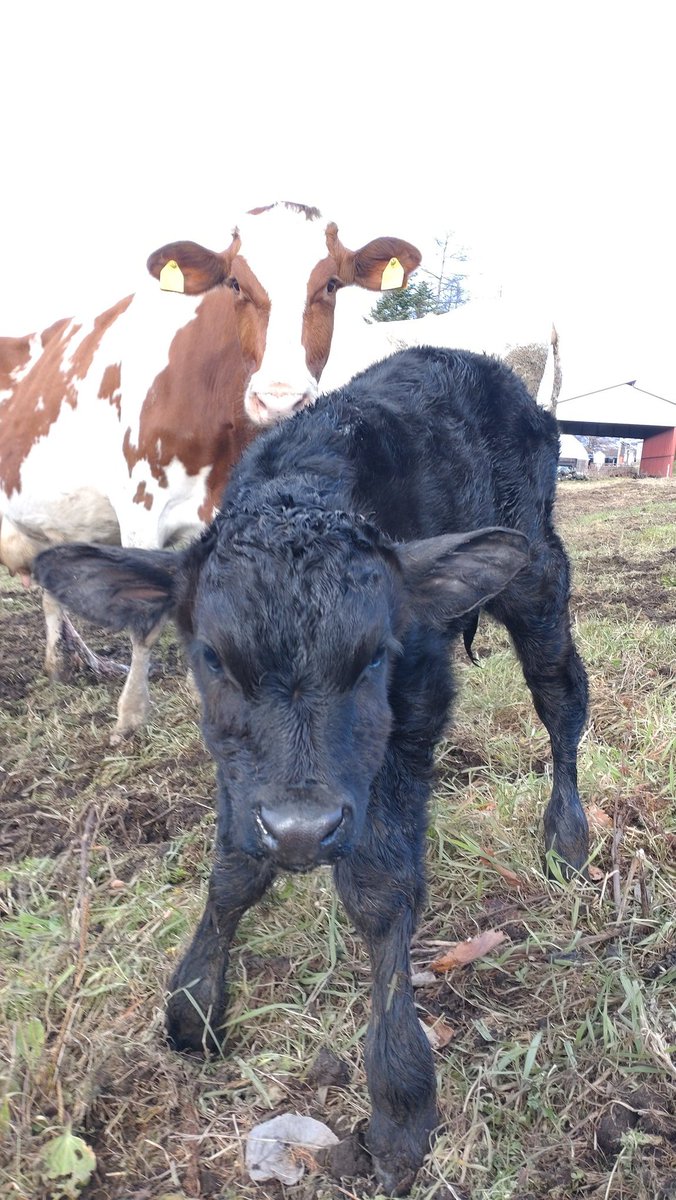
[555, 1054]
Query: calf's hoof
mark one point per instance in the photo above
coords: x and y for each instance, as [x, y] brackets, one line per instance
[569, 840]
[193, 1022]
[398, 1150]
[570, 859]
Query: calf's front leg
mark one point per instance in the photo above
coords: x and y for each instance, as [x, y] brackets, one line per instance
[381, 885]
[198, 1000]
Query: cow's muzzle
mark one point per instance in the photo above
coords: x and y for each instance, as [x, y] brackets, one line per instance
[266, 406]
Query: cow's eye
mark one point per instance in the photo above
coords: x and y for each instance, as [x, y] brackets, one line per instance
[332, 286]
[232, 283]
[211, 659]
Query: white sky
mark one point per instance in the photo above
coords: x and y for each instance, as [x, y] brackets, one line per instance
[541, 133]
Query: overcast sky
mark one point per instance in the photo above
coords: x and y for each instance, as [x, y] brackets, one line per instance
[541, 134]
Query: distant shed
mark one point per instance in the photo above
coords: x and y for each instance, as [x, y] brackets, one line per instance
[572, 453]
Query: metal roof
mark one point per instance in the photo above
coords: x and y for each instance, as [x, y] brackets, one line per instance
[571, 448]
[623, 410]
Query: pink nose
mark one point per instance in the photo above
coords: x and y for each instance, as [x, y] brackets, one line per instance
[274, 404]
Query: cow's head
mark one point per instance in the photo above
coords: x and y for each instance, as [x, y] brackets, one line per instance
[295, 622]
[284, 268]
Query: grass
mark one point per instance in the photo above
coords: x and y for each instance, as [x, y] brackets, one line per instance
[559, 1077]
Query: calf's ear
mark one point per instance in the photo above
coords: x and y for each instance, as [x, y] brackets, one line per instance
[450, 575]
[112, 586]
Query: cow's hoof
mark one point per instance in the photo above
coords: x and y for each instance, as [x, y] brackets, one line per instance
[58, 669]
[120, 737]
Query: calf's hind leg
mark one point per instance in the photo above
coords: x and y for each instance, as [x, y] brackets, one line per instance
[534, 609]
[198, 1000]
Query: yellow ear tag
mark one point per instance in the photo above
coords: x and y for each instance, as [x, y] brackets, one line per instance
[393, 275]
[171, 277]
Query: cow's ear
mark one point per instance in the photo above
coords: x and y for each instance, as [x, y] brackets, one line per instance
[191, 268]
[450, 575]
[114, 587]
[380, 265]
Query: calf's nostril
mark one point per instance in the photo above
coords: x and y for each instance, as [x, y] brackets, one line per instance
[333, 822]
[265, 827]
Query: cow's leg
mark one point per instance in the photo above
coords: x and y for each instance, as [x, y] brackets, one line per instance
[65, 650]
[101, 668]
[382, 887]
[198, 1000]
[132, 707]
[535, 610]
[55, 658]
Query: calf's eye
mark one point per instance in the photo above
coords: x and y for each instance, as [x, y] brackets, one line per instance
[211, 660]
[234, 284]
[376, 661]
[331, 286]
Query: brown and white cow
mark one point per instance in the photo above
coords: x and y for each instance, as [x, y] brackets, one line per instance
[526, 341]
[125, 427]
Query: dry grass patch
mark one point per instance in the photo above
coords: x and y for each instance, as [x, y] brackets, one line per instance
[558, 1075]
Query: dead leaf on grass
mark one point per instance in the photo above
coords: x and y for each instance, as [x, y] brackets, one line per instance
[596, 874]
[68, 1160]
[598, 818]
[510, 877]
[466, 952]
[437, 1032]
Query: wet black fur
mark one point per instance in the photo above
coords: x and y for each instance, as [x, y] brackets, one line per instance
[321, 648]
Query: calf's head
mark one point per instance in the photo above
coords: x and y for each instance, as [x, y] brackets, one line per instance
[284, 268]
[293, 620]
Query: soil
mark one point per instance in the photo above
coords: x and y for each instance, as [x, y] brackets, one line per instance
[643, 587]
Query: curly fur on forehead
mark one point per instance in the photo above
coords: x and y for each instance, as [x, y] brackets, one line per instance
[295, 524]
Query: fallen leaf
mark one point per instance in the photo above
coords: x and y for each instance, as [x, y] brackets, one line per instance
[282, 1147]
[437, 1032]
[597, 817]
[70, 1161]
[466, 952]
[507, 874]
[596, 873]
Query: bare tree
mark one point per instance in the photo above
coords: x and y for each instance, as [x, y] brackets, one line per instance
[448, 286]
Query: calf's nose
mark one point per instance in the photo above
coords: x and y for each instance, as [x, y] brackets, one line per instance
[300, 838]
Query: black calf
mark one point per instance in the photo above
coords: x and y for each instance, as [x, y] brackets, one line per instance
[318, 611]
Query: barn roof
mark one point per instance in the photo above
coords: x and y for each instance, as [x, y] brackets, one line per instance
[570, 447]
[623, 409]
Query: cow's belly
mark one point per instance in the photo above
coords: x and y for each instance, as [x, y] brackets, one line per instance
[16, 550]
[83, 515]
